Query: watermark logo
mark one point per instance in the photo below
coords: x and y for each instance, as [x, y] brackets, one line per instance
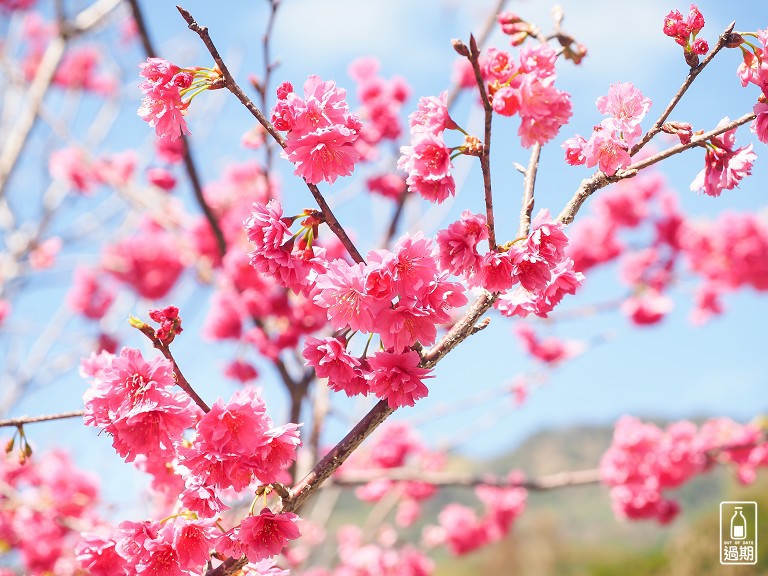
[738, 532]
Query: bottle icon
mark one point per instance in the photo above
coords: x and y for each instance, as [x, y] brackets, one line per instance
[738, 525]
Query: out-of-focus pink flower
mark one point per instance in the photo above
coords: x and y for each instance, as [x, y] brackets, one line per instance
[241, 371]
[390, 185]
[89, 295]
[148, 262]
[72, 166]
[161, 178]
[647, 308]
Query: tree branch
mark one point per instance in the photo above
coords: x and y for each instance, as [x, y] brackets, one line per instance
[485, 157]
[189, 162]
[22, 420]
[232, 86]
[444, 479]
[692, 74]
[529, 184]
[599, 180]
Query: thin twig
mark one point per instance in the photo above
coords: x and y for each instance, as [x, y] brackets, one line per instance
[485, 156]
[22, 420]
[692, 74]
[16, 141]
[460, 331]
[336, 457]
[447, 479]
[233, 86]
[529, 183]
[189, 162]
[599, 180]
[392, 230]
[265, 82]
[181, 380]
[482, 38]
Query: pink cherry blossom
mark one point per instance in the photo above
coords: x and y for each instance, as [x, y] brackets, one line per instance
[148, 262]
[330, 360]
[324, 154]
[397, 378]
[627, 107]
[131, 400]
[458, 244]
[265, 534]
[341, 290]
[607, 151]
[89, 295]
[543, 110]
[650, 307]
[574, 150]
[759, 125]
[241, 371]
[724, 167]
[431, 116]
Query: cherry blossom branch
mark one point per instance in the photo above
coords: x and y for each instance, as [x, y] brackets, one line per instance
[268, 67]
[692, 74]
[16, 141]
[529, 183]
[22, 420]
[392, 230]
[189, 162]
[165, 350]
[482, 38]
[599, 180]
[231, 84]
[473, 55]
[460, 331]
[443, 479]
[336, 457]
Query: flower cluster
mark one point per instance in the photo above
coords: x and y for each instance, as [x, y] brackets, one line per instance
[170, 323]
[168, 92]
[397, 446]
[532, 274]
[462, 531]
[403, 296]
[133, 401]
[684, 32]
[724, 167]
[526, 88]
[611, 140]
[235, 444]
[45, 501]
[321, 130]
[549, 350]
[645, 461]
[148, 261]
[381, 101]
[428, 158]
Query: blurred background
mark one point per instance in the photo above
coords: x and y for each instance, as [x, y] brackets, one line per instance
[475, 411]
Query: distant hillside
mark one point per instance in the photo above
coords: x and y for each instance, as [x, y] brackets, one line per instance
[573, 532]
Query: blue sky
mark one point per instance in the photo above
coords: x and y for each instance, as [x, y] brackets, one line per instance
[672, 370]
